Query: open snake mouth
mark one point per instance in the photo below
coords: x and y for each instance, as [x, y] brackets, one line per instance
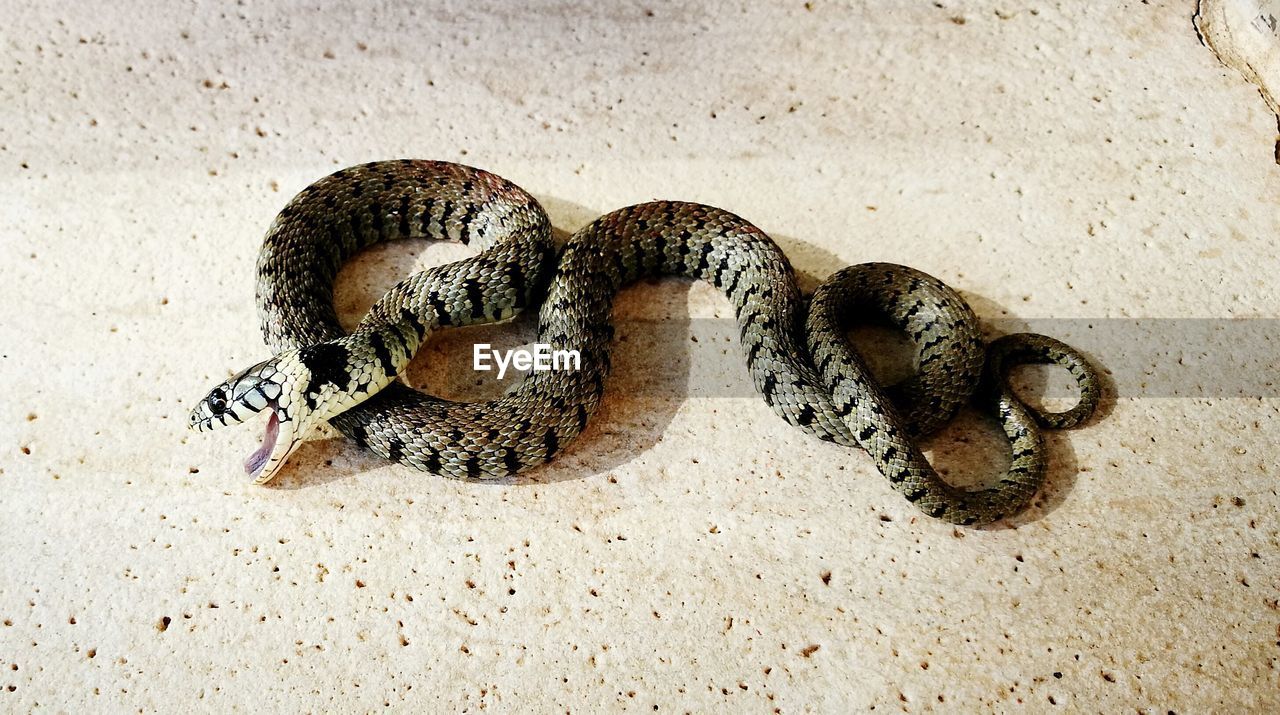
[254, 463]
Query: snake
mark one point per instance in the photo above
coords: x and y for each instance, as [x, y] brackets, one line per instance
[796, 346]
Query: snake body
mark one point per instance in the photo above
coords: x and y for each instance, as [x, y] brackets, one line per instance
[797, 354]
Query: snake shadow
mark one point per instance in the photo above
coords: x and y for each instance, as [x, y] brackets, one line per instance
[651, 376]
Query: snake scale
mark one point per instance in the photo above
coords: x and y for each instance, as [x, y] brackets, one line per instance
[796, 352]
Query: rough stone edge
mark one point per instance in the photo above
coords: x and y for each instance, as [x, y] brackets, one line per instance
[1245, 36]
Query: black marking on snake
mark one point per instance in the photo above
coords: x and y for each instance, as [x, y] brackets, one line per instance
[383, 355]
[515, 278]
[683, 249]
[825, 362]
[270, 268]
[354, 235]
[582, 409]
[360, 434]
[357, 188]
[733, 285]
[620, 264]
[725, 262]
[806, 415]
[375, 212]
[327, 363]
[444, 218]
[660, 246]
[407, 316]
[425, 217]
[511, 461]
[703, 260]
[937, 340]
[550, 443]
[404, 215]
[432, 462]
[717, 278]
[395, 449]
[475, 296]
[335, 236]
[473, 467]
[442, 311]
[464, 230]
[767, 386]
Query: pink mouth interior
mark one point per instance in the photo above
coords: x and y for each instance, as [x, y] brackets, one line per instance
[256, 461]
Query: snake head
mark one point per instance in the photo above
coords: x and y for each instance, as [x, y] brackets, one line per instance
[265, 385]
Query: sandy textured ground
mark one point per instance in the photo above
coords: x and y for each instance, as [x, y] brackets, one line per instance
[1087, 170]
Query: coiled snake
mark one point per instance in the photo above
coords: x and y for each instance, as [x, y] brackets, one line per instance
[800, 362]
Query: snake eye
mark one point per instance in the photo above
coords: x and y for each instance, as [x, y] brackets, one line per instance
[217, 401]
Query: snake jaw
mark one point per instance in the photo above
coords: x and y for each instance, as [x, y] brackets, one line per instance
[279, 441]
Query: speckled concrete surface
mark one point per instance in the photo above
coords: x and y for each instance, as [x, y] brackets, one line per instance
[1063, 166]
